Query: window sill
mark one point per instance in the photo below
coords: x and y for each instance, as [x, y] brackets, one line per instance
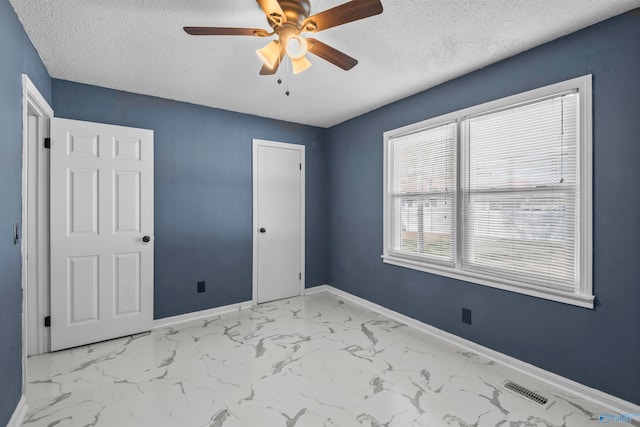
[579, 300]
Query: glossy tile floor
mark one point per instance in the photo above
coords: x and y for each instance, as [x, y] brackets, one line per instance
[307, 361]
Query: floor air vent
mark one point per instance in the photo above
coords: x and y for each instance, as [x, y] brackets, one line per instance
[525, 392]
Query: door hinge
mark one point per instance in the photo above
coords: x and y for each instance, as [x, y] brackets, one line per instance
[299, 276]
[47, 143]
[47, 321]
[300, 166]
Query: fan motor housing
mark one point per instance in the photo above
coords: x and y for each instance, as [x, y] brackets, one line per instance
[296, 11]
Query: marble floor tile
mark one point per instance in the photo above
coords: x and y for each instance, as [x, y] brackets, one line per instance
[306, 361]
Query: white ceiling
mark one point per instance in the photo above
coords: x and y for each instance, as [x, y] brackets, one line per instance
[139, 46]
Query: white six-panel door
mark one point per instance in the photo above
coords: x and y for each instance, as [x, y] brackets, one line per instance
[101, 232]
[278, 188]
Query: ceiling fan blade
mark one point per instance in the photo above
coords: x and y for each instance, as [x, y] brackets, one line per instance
[224, 31]
[330, 54]
[273, 10]
[266, 71]
[346, 12]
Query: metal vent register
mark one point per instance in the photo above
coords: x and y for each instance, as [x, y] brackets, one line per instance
[526, 393]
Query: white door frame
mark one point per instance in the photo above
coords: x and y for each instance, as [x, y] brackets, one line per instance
[301, 148]
[33, 104]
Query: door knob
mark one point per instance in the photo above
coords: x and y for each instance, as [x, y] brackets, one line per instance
[146, 239]
[263, 230]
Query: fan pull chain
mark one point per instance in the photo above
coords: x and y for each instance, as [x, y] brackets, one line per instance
[287, 92]
[287, 67]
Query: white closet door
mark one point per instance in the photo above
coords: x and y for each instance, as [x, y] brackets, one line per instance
[278, 220]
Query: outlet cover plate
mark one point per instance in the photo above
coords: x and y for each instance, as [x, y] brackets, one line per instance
[466, 316]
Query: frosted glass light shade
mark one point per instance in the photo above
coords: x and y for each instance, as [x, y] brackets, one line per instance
[300, 64]
[297, 47]
[269, 54]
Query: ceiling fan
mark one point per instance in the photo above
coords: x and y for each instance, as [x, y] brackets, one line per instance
[290, 18]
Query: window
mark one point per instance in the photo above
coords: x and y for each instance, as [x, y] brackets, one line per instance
[423, 194]
[498, 194]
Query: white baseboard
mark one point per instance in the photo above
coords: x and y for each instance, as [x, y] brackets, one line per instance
[174, 320]
[319, 288]
[19, 413]
[606, 401]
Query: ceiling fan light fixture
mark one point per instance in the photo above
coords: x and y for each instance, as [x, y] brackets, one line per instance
[287, 19]
[300, 64]
[270, 54]
[297, 47]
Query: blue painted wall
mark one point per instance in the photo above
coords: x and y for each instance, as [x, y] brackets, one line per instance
[599, 348]
[18, 56]
[203, 205]
[203, 196]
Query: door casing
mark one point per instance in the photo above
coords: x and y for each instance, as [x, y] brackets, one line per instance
[34, 246]
[301, 148]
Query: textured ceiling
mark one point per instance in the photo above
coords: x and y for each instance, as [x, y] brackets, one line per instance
[139, 46]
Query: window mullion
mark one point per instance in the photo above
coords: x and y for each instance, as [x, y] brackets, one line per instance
[459, 176]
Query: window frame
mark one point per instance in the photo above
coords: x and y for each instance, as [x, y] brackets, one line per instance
[583, 295]
[392, 196]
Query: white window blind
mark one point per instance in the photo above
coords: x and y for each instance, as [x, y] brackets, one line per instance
[520, 195]
[423, 193]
